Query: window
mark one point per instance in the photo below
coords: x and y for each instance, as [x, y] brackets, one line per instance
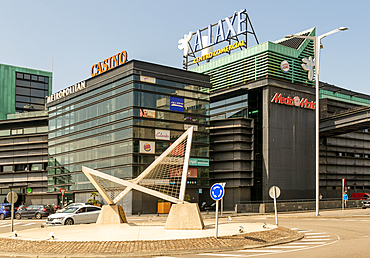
[30, 130]
[7, 168]
[30, 92]
[5, 132]
[17, 131]
[36, 167]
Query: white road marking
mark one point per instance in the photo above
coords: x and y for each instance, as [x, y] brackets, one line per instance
[28, 224]
[285, 246]
[307, 243]
[259, 251]
[8, 225]
[315, 236]
[294, 228]
[225, 255]
[304, 231]
[315, 239]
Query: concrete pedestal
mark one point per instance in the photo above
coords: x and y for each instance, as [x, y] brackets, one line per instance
[184, 217]
[111, 214]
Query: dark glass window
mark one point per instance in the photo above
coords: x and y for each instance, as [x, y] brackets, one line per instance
[22, 91]
[37, 93]
[37, 85]
[31, 91]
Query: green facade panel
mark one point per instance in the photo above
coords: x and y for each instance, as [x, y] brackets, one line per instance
[259, 62]
[7, 86]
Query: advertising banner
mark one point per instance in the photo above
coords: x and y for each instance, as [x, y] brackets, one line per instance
[203, 162]
[177, 104]
[162, 134]
[147, 147]
[186, 127]
[147, 113]
[192, 172]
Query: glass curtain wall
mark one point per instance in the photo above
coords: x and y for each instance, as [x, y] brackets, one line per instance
[103, 129]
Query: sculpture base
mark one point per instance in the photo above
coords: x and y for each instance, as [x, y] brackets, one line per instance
[184, 217]
[111, 214]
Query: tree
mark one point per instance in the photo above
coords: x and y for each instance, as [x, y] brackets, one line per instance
[94, 201]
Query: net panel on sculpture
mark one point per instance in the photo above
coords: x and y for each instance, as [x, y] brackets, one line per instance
[111, 188]
[166, 176]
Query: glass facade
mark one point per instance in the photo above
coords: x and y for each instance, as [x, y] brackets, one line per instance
[30, 92]
[233, 106]
[103, 127]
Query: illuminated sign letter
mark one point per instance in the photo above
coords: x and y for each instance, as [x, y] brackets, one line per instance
[122, 57]
[230, 26]
[210, 43]
[219, 32]
[240, 21]
[198, 41]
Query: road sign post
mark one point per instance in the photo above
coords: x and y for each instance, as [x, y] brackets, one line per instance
[12, 197]
[217, 192]
[274, 193]
[62, 191]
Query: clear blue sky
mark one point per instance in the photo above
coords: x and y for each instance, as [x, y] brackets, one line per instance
[81, 33]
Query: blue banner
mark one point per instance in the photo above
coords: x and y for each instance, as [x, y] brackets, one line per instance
[177, 104]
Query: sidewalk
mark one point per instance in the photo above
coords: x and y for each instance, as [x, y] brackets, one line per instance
[140, 239]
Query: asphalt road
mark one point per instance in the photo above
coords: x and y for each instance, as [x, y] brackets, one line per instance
[325, 236]
[5, 225]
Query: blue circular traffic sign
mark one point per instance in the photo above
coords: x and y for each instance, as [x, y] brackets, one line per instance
[217, 192]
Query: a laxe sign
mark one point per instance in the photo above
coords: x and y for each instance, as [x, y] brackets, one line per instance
[224, 30]
[296, 101]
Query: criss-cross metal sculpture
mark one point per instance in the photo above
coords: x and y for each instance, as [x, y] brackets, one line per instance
[165, 178]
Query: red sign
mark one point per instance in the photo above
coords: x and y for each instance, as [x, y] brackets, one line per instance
[62, 191]
[296, 101]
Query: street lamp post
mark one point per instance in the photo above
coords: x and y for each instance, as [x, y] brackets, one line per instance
[317, 46]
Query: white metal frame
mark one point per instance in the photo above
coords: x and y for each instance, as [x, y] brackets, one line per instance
[134, 184]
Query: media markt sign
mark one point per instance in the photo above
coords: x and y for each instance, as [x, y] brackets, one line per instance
[296, 101]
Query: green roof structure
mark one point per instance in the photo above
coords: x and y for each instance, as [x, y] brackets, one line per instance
[260, 62]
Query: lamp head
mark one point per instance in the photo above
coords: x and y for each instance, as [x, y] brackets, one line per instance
[342, 28]
[289, 36]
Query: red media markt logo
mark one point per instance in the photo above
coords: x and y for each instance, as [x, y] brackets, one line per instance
[296, 101]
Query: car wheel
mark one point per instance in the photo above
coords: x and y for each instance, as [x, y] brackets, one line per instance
[363, 207]
[18, 216]
[2, 216]
[38, 216]
[69, 222]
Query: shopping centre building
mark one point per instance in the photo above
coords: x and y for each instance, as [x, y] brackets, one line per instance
[24, 133]
[119, 121]
[252, 107]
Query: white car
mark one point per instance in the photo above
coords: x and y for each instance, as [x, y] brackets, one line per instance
[72, 204]
[75, 215]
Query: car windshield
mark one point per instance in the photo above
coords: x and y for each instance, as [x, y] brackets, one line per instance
[70, 210]
[8, 207]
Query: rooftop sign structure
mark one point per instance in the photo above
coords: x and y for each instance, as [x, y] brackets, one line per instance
[232, 31]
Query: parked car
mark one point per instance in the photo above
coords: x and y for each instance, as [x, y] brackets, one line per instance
[5, 209]
[73, 204]
[204, 206]
[360, 196]
[366, 203]
[75, 215]
[35, 211]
